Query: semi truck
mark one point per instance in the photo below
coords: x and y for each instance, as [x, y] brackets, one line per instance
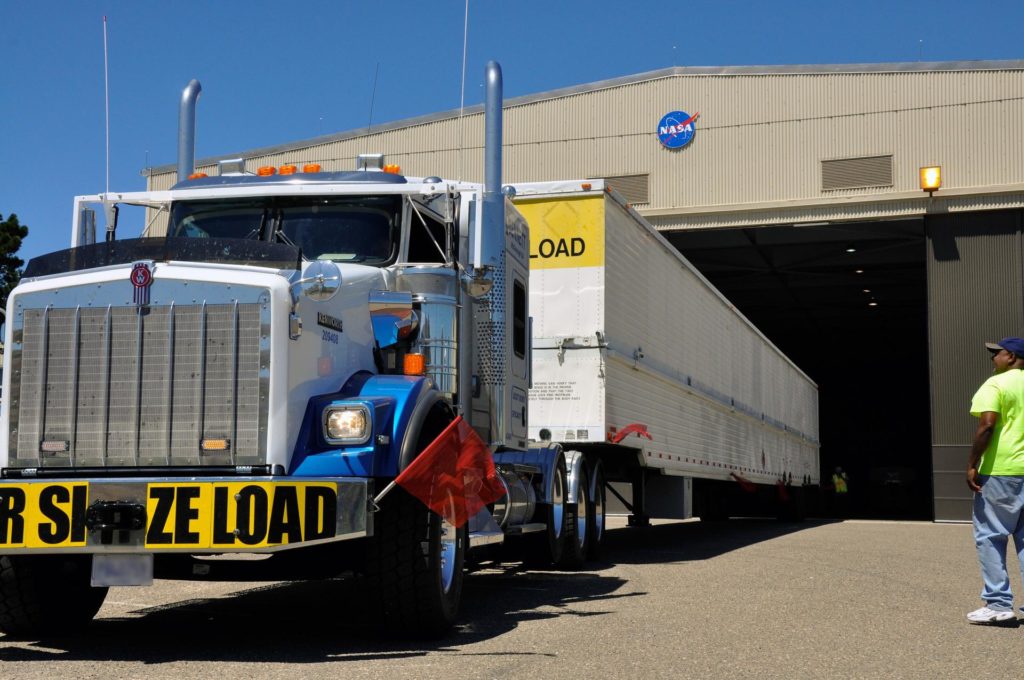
[236, 399]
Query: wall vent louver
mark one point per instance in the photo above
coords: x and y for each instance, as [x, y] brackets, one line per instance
[856, 173]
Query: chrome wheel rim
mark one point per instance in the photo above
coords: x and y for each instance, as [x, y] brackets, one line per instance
[449, 550]
[558, 503]
[581, 516]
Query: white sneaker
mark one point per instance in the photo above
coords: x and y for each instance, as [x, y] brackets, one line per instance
[996, 617]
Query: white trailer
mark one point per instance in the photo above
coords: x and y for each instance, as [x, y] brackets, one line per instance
[640, 362]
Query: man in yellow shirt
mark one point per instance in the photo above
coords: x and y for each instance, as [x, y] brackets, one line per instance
[995, 473]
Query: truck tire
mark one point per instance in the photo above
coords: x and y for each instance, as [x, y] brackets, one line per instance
[574, 553]
[415, 568]
[551, 546]
[47, 594]
[596, 512]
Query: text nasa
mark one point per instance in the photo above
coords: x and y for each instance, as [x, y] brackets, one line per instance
[202, 515]
[675, 129]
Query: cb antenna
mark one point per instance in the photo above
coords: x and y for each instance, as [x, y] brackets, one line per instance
[109, 207]
[462, 95]
[106, 99]
[373, 98]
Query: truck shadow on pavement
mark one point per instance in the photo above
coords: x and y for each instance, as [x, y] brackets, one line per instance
[691, 541]
[318, 621]
[314, 622]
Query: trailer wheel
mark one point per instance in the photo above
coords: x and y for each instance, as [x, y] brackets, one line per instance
[47, 594]
[574, 552]
[549, 546]
[596, 512]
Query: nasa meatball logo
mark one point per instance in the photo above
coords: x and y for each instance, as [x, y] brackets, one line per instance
[676, 129]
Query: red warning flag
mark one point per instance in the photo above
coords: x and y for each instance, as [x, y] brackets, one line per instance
[454, 476]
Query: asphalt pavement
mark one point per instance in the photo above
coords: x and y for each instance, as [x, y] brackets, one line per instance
[736, 599]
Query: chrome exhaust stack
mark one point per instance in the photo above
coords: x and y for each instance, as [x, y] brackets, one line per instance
[187, 130]
[488, 240]
[492, 130]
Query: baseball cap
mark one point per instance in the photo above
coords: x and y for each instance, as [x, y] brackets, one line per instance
[1015, 345]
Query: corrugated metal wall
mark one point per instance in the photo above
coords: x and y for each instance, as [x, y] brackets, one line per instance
[760, 140]
[975, 294]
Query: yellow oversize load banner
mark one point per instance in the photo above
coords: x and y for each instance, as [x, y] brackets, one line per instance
[199, 515]
[565, 233]
[43, 515]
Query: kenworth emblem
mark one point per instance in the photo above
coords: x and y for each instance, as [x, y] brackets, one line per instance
[142, 278]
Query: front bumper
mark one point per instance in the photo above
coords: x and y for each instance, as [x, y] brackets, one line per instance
[190, 515]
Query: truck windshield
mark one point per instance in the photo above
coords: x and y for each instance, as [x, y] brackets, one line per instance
[343, 229]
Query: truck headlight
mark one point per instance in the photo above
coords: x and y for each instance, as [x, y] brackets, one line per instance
[347, 424]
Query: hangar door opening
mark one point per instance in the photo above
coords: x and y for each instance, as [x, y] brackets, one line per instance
[848, 304]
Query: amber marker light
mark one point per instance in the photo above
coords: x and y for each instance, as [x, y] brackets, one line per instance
[198, 175]
[287, 169]
[215, 444]
[931, 178]
[393, 169]
[413, 364]
[266, 170]
[311, 167]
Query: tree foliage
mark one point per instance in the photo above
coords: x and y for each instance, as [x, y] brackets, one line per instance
[12, 233]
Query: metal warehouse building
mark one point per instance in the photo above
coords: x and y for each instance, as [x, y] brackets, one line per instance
[799, 195]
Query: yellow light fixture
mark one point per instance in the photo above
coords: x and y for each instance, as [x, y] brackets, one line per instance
[931, 178]
[215, 444]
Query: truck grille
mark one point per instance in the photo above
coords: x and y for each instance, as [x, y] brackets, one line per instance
[117, 386]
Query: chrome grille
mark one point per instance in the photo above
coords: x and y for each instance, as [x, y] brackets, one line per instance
[140, 386]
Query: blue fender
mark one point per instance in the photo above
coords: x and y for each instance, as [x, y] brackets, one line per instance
[393, 401]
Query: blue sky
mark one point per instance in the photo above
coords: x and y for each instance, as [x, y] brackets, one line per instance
[276, 72]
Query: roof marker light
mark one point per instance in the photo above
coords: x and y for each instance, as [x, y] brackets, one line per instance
[288, 169]
[311, 167]
[198, 175]
[266, 170]
[393, 169]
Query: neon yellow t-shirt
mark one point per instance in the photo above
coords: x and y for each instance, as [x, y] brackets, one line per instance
[1003, 394]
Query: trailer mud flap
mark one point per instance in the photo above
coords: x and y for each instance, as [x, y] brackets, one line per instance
[180, 515]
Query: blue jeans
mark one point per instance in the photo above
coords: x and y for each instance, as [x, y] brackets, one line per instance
[998, 514]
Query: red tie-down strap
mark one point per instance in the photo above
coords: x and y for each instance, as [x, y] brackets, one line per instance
[745, 484]
[633, 428]
[783, 493]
